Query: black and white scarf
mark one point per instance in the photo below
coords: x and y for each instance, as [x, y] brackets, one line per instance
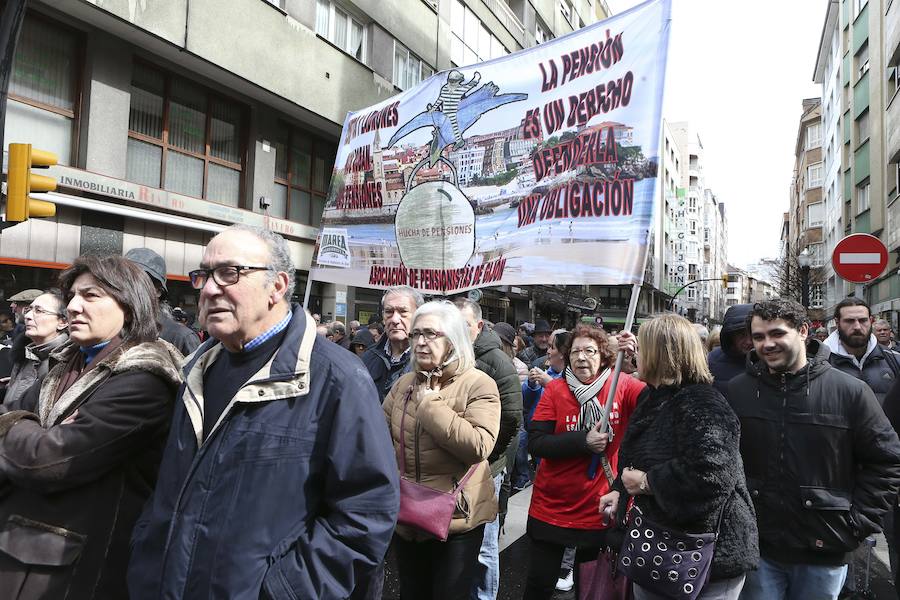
[591, 412]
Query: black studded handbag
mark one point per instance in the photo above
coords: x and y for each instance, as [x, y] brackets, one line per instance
[666, 561]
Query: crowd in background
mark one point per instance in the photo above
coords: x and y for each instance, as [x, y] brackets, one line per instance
[133, 453]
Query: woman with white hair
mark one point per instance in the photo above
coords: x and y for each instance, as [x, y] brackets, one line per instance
[444, 417]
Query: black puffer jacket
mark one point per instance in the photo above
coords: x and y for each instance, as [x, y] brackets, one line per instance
[687, 441]
[728, 361]
[821, 459]
[490, 359]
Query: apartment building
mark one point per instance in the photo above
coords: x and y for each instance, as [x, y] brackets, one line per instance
[857, 64]
[175, 119]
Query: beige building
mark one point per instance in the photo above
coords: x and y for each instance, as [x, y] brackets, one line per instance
[173, 119]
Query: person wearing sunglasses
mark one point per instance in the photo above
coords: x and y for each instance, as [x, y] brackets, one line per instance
[566, 434]
[45, 331]
[444, 418]
[278, 480]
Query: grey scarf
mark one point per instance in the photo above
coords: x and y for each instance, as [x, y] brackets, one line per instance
[585, 393]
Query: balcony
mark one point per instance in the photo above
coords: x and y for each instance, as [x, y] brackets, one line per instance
[508, 19]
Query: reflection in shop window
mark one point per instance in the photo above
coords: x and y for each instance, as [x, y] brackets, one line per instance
[184, 137]
[303, 166]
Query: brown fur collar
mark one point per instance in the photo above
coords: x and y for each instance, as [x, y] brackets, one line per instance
[158, 357]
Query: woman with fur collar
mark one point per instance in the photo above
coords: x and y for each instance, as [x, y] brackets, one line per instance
[79, 453]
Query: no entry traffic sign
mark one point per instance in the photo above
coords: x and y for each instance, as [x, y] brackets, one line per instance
[859, 258]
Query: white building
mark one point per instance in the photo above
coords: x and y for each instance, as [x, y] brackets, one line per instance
[469, 163]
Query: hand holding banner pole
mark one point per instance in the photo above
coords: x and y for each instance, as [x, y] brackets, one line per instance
[603, 459]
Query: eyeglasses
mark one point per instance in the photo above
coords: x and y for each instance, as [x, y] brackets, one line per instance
[39, 311]
[223, 276]
[590, 352]
[429, 334]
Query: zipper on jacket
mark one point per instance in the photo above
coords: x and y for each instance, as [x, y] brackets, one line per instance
[416, 446]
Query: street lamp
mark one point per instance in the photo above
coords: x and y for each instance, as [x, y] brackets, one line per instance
[805, 261]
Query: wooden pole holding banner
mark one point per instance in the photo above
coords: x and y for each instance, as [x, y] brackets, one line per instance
[603, 459]
[309, 281]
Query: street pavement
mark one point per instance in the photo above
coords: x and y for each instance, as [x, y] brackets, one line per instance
[514, 562]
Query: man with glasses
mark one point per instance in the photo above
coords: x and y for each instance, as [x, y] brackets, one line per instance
[389, 358]
[17, 304]
[279, 478]
[45, 332]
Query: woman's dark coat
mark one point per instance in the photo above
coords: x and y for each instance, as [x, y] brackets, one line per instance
[688, 443]
[72, 486]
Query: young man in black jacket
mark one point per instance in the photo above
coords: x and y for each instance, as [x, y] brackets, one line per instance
[821, 459]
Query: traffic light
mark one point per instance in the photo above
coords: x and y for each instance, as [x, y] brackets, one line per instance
[20, 182]
[725, 281]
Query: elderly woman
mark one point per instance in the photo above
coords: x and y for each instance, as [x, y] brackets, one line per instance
[45, 331]
[683, 460]
[565, 435]
[79, 453]
[444, 417]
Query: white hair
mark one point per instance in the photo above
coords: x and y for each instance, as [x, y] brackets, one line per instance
[455, 330]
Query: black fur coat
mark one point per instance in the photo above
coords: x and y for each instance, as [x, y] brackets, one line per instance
[688, 442]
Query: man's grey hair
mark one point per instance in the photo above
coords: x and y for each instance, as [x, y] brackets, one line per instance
[702, 331]
[455, 330]
[279, 255]
[337, 327]
[462, 303]
[883, 323]
[404, 290]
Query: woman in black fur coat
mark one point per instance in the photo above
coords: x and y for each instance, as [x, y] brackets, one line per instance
[681, 456]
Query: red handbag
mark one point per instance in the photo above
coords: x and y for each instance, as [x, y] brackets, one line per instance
[601, 580]
[424, 508]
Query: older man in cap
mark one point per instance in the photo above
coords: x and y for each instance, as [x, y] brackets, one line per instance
[170, 330]
[534, 354]
[17, 304]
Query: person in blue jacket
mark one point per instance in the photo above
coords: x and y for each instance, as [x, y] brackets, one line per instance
[540, 374]
[279, 478]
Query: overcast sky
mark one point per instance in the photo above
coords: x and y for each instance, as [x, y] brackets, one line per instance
[739, 72]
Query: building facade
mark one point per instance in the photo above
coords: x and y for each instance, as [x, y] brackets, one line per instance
[857, 66]
[166, 133]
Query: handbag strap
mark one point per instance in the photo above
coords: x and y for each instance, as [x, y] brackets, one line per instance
[722, 512]
[401, 458]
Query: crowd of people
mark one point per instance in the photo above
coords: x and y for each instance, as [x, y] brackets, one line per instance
[283, 457]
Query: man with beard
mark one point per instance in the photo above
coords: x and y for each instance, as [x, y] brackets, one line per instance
[730, 358]
[821, 459]
[537, 351]
[855, 351]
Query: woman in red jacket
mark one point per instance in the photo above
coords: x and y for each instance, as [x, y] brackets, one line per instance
[565, 434]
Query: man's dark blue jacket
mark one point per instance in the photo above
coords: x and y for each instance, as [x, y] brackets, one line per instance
[293, 494]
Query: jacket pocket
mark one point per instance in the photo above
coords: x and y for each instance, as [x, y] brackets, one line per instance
[827, 513]
[35, 543]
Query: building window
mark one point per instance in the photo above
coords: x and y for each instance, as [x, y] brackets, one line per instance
[813, 136]
[542, 34]
[815, 214]
[814, 176]
[183, 138]
[862, 60]
[862, 127]
[862, 197]
[409, 69]
[337, 26]
[565, 9]
[42, 90]
[303, 166]
[893, 81]
[471, 41]
[858, 5]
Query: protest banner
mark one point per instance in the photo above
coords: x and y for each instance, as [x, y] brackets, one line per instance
[538, 167]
